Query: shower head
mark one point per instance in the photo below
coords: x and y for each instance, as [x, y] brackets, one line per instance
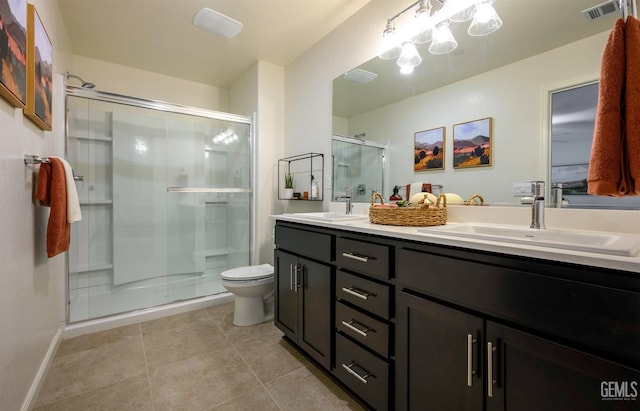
[85, 84]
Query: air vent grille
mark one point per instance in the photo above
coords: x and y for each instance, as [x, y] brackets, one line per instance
[601, 10]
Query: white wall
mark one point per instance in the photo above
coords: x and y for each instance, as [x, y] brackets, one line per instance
[129, 81]
[512, 95]
[31, 285]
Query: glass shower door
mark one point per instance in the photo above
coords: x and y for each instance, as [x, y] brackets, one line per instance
[166, 202]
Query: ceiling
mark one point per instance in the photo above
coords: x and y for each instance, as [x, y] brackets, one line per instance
[158, 36]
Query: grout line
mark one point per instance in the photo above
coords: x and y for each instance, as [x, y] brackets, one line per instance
[146, 365]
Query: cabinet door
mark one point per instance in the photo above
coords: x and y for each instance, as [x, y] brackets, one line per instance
[528, 373]
[315, 310]
[439, 356]
[286, 296]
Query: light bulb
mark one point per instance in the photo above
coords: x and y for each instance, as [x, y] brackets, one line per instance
[409, 59]
[390, 48]
[443, 40]
[486, 20]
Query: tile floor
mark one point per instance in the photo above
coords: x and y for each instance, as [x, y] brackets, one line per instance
[192, 361]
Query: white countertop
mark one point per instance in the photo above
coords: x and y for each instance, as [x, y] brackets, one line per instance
[504, 216]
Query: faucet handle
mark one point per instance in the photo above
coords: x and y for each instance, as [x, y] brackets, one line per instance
[537, 188]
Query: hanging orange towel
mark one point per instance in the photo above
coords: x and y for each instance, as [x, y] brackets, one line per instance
[52, 192]
[632, 102]
[606, 175]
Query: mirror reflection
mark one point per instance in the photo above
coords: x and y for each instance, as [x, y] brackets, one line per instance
[573, 113]
[543, 46]
[358, 168]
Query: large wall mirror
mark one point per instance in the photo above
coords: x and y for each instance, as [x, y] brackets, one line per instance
[506, 76]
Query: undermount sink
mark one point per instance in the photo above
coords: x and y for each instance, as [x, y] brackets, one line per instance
[330, 217]
[590, 241]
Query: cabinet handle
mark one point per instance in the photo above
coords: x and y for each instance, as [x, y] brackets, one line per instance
[352, 327]
[490, 380]
[356, 292]
[362, 378]
[296, 285]
[291, 277]
[361, 258]
[470, 371]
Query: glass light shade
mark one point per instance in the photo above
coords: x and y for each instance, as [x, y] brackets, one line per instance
[464, 15]
[390, 49]
[421, 26]
[443, 40]
[486, 20]
[409, 59]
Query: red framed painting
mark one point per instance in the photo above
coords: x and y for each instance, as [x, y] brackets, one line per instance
[39, 71]
[13, 52]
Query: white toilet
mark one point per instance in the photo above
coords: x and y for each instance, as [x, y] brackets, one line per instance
[253, 287]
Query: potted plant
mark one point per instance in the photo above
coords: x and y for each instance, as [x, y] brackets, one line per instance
[288, 185]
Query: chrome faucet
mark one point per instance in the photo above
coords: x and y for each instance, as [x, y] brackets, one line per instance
[556, 195]
[347, 200]
[537, 206]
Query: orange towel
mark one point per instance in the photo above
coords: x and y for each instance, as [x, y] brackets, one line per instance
[52, 192]
[606, 176]
[632, 102]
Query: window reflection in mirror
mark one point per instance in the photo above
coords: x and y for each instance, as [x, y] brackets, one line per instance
[358, 165]
[573, 112]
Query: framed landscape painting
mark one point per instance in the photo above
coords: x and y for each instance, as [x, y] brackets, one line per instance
[39, 71]
[472, 143]
[428, 149]
[13, 52]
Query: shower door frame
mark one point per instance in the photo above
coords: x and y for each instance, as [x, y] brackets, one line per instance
[158, 105]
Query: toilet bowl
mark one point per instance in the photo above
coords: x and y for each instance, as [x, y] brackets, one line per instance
[252, 287]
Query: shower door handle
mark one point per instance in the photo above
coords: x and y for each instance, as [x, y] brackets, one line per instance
[207, 190]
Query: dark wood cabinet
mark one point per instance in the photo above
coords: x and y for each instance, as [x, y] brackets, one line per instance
[409, 325]
[451, 360]
[529, 373]
[304, 296]
[439, 357]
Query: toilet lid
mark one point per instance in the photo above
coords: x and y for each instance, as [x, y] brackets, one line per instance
[251, 272]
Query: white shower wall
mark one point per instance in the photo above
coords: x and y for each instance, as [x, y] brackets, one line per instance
[139, 245]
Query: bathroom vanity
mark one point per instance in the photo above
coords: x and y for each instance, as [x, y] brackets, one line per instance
[412, 321]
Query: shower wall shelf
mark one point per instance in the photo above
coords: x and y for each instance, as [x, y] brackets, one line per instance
[305, 169]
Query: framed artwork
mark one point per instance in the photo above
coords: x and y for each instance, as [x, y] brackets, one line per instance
[13, 52]
[428, 149]
[472, 143]
[39, 71]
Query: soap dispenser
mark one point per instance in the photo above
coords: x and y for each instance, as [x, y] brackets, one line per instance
[395, 196]
[314, 188]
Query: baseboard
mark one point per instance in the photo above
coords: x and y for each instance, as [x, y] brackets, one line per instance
[120, 320]
[34, 390]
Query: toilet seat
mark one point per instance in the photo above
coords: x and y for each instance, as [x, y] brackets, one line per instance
[248, 273]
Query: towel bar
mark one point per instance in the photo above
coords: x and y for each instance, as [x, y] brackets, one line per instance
[32, 159]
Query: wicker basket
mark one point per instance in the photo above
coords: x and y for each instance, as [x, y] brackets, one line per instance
[475, 200]
[425, 215]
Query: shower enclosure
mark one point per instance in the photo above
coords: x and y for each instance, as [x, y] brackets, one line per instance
[166, 200]
[358, 165]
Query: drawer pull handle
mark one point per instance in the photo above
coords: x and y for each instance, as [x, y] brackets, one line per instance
[361, 258]
[357, 292]
[362, 378]
[363, 332]
[470, 371]
[491, 380]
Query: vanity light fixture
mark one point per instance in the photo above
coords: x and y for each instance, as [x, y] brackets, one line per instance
[431, 25]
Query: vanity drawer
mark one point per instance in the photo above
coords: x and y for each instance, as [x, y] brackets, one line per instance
[303, 242]
[364, 373]
[367, 294]
[366, 258]
[363, 328]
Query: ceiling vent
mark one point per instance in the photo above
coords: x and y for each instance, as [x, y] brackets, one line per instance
[217, 23]
[601, 10]
[360, 76]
